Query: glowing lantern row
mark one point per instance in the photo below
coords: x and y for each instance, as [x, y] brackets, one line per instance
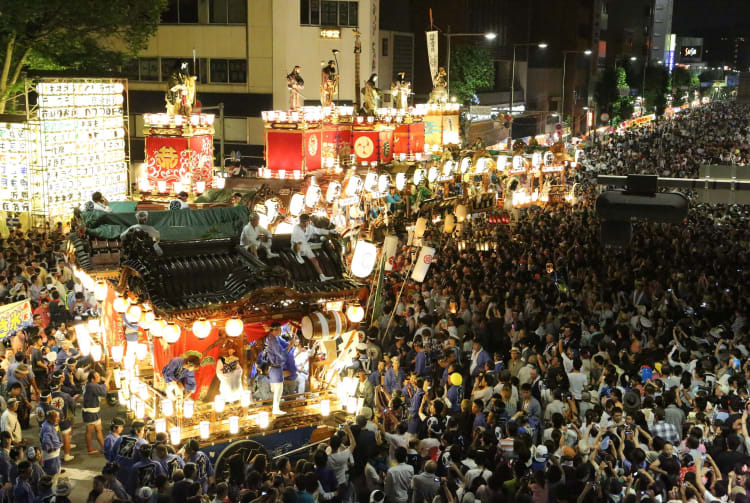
[355, 313]
[171, 333]
[157, 328]
[121, 305]
[117, 353]
[201, 328]
[353, 186]
[465, 164]
[133, 314]
[383, 183]
[325, 407]
[167, 407]
[175, 435]
[234, 327]
[364, 258]
[205, 429]
[371, 182]
[461, 213]
[100, 290]
[297, 204]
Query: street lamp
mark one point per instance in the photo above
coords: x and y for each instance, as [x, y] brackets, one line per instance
[587, 52]
[488, 36]
[540, 45]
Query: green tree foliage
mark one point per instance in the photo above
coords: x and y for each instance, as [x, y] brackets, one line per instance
[611, 94]
[471, 71]
[85, 35]
[657, 88]
[684, 79]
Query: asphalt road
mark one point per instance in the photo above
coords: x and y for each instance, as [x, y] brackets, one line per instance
[83, 468]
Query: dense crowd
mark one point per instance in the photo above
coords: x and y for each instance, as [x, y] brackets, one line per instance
[545, 369]
[718, 133]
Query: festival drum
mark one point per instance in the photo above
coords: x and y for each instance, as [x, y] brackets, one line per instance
[324, 325]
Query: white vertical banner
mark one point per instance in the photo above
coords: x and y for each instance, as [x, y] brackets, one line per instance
[432, 52]
[390, 246]
[374, 33]
[423, 264]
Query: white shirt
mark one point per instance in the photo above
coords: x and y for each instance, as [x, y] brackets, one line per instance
[251, 236]
[9, 423]
[303, 236]
[339, 462]
[577, 381]
[398, 483]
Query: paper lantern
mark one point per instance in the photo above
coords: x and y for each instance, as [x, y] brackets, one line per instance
[263, 419]
[418, 176]
[355, 313]
[549, 158]
[448, 168]
[383, 183]
[167, 407]
[234, 425]
[205, 429]
[175, 435]
[157, 328]
[140, 408]
[234, 327]
[312, 196]
[120, 305]
[141, 351]
[365, 255]
[502, 162]
[188, 406]
[400, 181]
[100, 291]
[482, 164]
[96, 352]
[272, 209]
[424, 259]
[147, 318]
[536, 159]
[129, 361]
[201, 328]
[461, 213]
[93, 325]
[200, 186]
[245, 398]
[117, 353]
[432, 174]
[371, 182]
[518, 163]
[283, 228]
[353, 186]
[297, 204]
[351, 405]
[171, 333]
[325, 408]
[133, 314]
[160, 425]
[333, 191]
[449, 224]
[465, 164]
[219, 404]
[420, 227]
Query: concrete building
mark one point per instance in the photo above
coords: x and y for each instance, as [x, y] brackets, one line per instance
[241, 52]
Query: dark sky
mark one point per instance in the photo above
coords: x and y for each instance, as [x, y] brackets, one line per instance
[699, 17]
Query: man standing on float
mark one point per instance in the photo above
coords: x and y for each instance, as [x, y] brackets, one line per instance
[276, 358]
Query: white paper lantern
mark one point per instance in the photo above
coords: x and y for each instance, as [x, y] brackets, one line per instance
[201, 328]
[120, 305]
[234, 327]
[272, 209]
[234, 425]
[188, 406]
[432, 174]
[482, 165]
[418, 176]
[420, 227]
[171, 333]
[400, 181]
[167, 407]
[365, 255]
[96, 352]
[371, 182]
[100, 290]
[536, 159]
[157, 328]
[245, 398]
[325, 408]
[175, 435]
[312, 196]
[502, 162]
[263, 419]
[465, 164]
[461, 213]
[297, 204]
[219, 404]
[140, 408]
[383, 183]
[355, 313]
[333, 191]
[424, 259]
[160, 425]
[205, 429]
[93, 325]
[353, 186]
[141, 351]
[147, 318]
[133, 314]
[449, 224]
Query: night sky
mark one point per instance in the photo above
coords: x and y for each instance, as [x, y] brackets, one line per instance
[701, 17]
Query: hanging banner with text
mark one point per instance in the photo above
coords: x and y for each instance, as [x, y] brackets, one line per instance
[390, 247]
[432, 52]
[14, 317]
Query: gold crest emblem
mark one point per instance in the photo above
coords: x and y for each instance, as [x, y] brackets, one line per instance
[166, 158]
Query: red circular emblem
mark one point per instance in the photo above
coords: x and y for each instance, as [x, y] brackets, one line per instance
[427, 259]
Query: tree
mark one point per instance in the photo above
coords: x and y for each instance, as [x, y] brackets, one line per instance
[83, 35]
[682, 78]
[657, 88]
[612, 94]
[471, 71]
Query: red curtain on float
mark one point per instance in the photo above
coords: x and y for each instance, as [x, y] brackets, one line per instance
[164, 352]
[111, 320]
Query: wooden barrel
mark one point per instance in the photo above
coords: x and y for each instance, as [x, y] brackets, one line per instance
[324, 325]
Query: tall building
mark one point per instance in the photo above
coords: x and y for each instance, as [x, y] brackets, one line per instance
[241, 52]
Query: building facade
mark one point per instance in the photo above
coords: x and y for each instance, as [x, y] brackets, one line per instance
[241, 52]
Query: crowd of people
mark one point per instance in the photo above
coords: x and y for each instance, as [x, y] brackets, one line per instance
[546, 368]
[718, 133]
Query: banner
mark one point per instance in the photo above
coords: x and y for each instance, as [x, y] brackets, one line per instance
[432, 52]
[423, 264]
[173, 159]
[14, 317]
[390, 246]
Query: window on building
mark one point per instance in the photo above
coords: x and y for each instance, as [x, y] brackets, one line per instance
[148, 69]
[180, 11]
[227, 11]
[384, 52]
[329, 13]
[228, 71]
